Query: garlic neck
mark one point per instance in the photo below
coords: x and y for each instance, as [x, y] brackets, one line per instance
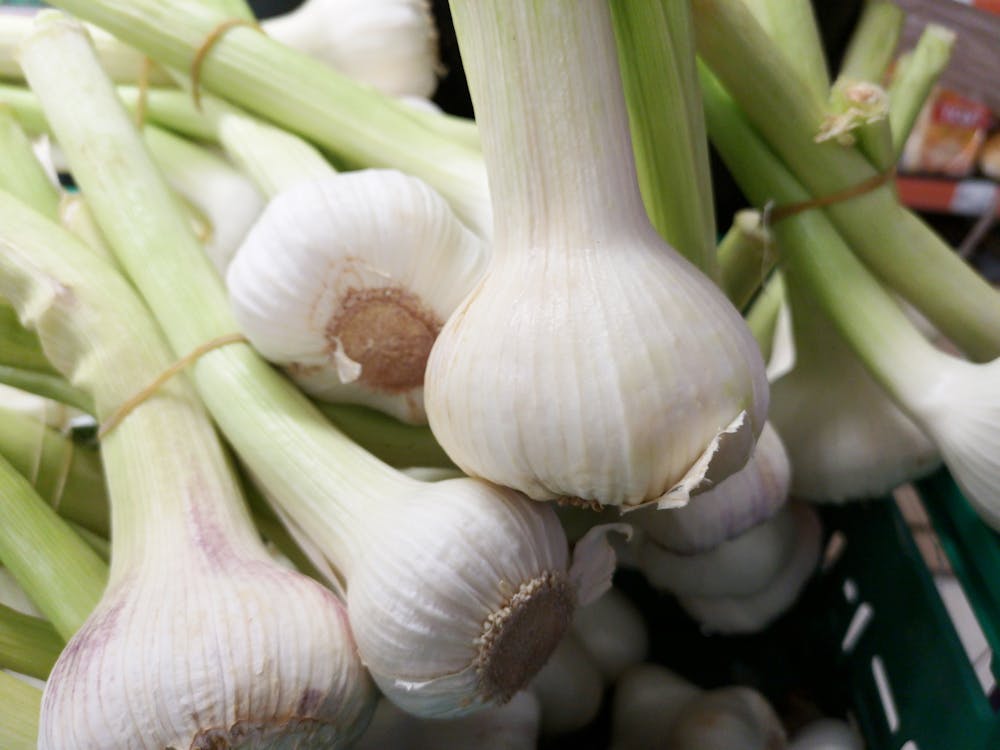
[554, 124]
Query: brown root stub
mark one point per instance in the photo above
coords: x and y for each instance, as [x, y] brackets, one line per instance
[518, 638]
[251, 735]
[389, 332]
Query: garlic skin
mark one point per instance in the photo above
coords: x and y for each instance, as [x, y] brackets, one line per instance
[613, 632]
[389, 44]
[592, 361]
[727, 719]
[755, 611]
[569, 688]
[737, 567]
[496, 593]
[346, 281]
[846, 439]
[748, 497]
[288, 675]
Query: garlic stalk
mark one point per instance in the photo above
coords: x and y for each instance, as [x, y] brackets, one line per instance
[569, 397]
[846, 438]
[346, 282]
[13, 595]
[733, 718]
[183, 540]
[301, 94]
[746, 256]
[755, 611]
[743, 500]
[612, 631]
[739, 566]
[648, 700]
[19, 718]
[764, 316]
[229, 202]
[891, 240]
[826, 734]
[29, 645]
[569, 688]
[457, 591]
[956, 403]
[915, 75]
[512, 726]
[792, 25]
[121, 62]
[22, 175]
[388, 44]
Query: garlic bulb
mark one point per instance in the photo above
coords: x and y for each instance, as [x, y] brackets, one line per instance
[592, 361]
[752, 612]
[512, 726]
[346, 281]
[612, 631]
[748, 497]
[569, 688]
[390, 44]
[826, 734]
[739, 566]
[733, 718]
[648, 700]
[846, 438]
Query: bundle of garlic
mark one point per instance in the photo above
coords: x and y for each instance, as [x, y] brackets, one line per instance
[457, 591]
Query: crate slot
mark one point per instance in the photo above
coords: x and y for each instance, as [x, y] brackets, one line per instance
[885, 694]
[862, 616]
[850, 590]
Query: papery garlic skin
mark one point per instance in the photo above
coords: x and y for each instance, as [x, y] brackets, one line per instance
[480, 578]
[748, 497]
[755, 611]
[390, 44]
[287, 677]
[347, 280]
[592, 361]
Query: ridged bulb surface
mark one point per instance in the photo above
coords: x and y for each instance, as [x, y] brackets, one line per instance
[604, 373]
[346, 282]
[389, 44]
[249, 656]
[845, 437]
[725, 719]
[461, 610]
[740, 502]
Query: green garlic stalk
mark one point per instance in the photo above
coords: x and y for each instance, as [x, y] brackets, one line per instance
[873, 42]
[746, 257]
[609, 336]
[29, 645]
[916, 75]
[301, 94]
[660, 80]
[955, 402]
[891, 240]
[792, 25]
[457, 591]
[19, 718]
[22, 175]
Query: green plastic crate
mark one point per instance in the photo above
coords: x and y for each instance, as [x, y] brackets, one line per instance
[904, 637]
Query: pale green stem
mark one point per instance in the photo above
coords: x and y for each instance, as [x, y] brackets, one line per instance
[20, 172]
[394, 442]
[22, 705]
[746, 257]
[875, 141]
[29, 645]
[357, 124]
[20, 347]
[792, 26]
[61, 574]
[577, 184]
[321, 478]
[762, 318]
[273, 158]
[458, 129]
[67, 476]
[660, 79]
[891, 240]
[99, 544]
[914, 79]
[873, 42]
[863, 312]
[47, 385]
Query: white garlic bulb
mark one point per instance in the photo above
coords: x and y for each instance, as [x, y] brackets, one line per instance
[592, 361]
[346, 281]
[732, 718]
[748, 497]
[569, 688]
[613, 632]
[648, 700]
[390, 44]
